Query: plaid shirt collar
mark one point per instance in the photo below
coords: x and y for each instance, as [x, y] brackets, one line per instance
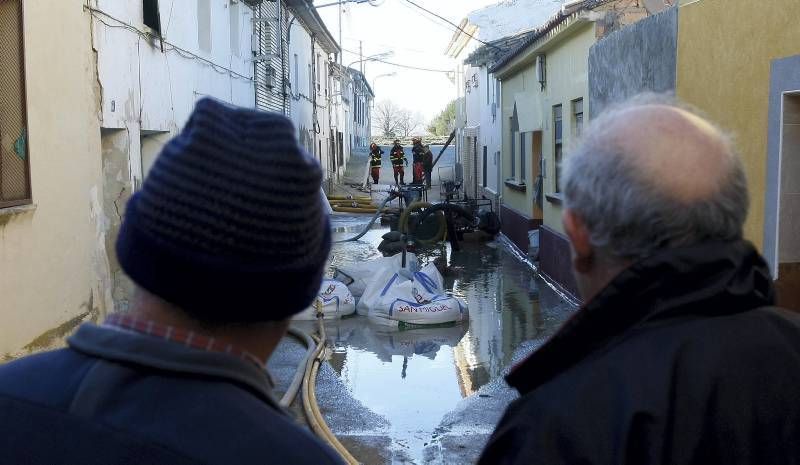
[182, 336]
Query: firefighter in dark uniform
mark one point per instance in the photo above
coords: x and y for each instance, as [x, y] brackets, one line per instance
[418, 151]
[398, 159]
[375, 154]
[427, 165]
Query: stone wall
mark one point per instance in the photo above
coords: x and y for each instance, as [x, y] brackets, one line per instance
[641, 57]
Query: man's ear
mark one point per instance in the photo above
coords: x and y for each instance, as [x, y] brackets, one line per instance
[582, 250]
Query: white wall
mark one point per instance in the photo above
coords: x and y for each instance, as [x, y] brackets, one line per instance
[147, 89]
[306, 89]
[490, 135]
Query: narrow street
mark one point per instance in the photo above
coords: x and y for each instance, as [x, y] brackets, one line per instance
[429, 395]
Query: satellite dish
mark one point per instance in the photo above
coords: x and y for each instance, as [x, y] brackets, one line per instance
[657, 6]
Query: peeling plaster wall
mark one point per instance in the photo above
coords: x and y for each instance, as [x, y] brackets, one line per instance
[145, 89]
[53, 271]
[641, 57]
[148, 90]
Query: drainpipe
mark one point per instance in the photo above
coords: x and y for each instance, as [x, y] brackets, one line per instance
[287, 69]
[314, 122]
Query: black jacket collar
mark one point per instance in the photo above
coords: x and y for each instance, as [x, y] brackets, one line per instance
[710, 279]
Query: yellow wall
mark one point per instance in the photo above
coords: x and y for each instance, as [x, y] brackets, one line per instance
[567, 80]
[725, 48]
[523, 81]
[52, 265]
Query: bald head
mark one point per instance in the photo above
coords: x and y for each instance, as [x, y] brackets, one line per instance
[671, 149]
[651, 174]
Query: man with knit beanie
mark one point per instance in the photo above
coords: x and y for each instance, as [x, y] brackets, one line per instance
[226, 240]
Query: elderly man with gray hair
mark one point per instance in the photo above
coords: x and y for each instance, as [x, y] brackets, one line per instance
[678, 355]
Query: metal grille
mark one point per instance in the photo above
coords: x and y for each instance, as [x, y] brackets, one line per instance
[14, 172]
[268, 72]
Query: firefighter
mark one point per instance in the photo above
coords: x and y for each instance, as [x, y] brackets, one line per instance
[398, 158]
[375, 153]
[427, 165]
[418, 151]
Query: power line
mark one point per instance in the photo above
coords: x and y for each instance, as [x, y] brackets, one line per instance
[169, 46]
[452, 24]
[401, 65]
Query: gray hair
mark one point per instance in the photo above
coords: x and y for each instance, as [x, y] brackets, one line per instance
[628, 218]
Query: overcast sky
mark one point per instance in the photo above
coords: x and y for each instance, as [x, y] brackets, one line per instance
[415, 38]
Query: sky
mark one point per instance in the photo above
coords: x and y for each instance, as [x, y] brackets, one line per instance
[415, 38]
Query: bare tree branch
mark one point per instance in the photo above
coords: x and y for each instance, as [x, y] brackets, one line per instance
[386, 118]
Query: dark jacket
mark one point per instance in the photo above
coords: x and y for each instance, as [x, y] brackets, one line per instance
[681, 360]
[375, 157]
[417, 152]
[427, 160]
[116, 397]
[397, 156]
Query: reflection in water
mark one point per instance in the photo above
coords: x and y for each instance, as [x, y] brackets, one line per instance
[414, 377]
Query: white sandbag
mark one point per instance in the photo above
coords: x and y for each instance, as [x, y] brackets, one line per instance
[380, 275]
[335, 299]
[398, 294]
[358, 275]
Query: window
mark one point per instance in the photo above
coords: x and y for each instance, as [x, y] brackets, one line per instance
[577, 117]
[296, 78]
[487, 85]
[310, 81]
[319, 60]
[513, 154]
[522, 154]
[485, 162]
[14, 165]
[236, 31]
[150, 16]
[557, 144]
[204, 25]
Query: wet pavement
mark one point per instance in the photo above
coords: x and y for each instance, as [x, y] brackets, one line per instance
[429, 395]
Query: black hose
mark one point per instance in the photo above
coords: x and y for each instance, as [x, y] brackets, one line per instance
[377, 215]
[448, 208]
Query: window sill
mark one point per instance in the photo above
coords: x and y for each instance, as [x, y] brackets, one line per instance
[515, 185]
[556, 199]
[18, 210]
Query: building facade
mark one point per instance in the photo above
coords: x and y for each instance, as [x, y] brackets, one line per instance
[750, 87]
[153, 64]
[362, 98]
[544, 89]
[129, 74]
[53, 263]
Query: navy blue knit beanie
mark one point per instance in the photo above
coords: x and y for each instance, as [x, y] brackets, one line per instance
[229, 224]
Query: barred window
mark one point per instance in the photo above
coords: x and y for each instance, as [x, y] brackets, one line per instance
[15, 186]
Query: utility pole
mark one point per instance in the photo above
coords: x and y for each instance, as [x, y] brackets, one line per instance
[361, 55]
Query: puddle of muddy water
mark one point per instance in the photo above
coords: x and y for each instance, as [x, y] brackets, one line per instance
[413, 378]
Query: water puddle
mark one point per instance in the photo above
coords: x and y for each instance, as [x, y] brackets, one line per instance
[413, 378]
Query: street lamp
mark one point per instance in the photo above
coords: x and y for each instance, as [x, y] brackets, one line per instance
[377, 56]
[375, 79]
[371, 2]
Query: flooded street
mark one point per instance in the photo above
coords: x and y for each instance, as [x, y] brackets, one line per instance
[432, 395]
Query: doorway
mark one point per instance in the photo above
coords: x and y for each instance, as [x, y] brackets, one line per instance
[788, 272]
[537, 177]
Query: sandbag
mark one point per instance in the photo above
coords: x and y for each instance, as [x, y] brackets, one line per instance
[336, 301]
[358, 275]
[406, 294]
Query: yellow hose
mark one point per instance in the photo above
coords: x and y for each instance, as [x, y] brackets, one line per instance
[354, 210]
[315, 419]
[403, 223]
